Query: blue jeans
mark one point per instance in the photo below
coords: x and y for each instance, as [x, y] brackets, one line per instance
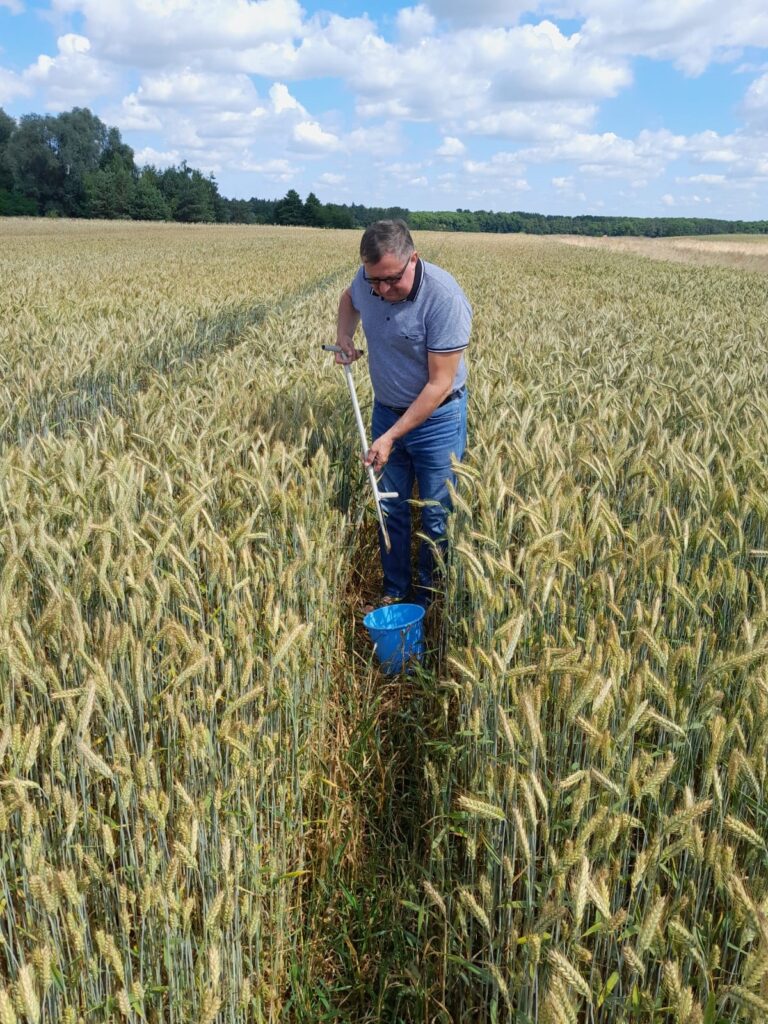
[424, 455]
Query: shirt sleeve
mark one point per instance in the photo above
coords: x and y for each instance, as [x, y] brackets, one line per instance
[356, 289]
[449, 323]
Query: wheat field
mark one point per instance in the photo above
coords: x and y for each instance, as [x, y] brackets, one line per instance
[745, 252]
[214, 808]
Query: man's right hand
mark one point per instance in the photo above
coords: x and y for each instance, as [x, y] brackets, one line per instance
[347, 355]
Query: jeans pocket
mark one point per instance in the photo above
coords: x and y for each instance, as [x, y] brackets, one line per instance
[461, 426]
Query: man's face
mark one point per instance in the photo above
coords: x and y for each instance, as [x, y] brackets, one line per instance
[391, 278]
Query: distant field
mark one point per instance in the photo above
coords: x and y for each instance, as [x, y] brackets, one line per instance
[746, 252]
[214, 809]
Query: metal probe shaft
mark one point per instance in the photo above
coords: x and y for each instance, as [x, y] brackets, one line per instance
[377, 494]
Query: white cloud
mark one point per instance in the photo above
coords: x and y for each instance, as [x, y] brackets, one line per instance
[336, 46]
[610, 155]
[534, 121]
[151, 33]
[158, 158]
[595, 150]
[188, 88]
[451, 147]
[755, 104]
[404, 171]
[11, 86]
[14, 6]
[73, 77]
[311, 136]
[500, 163]
[231, 125]
[540, 62]
[503, 169]
[413, 23]
[750, 68]
[528, 82]
[705, 179]
[566, 187]
[208, 116]
[692, 33]
[710, 147]
[216, 120]
[276, 170]
[203, 54]
[282, 100]
[72, 44]
[380, 140]
[491, 71]
[481, 12]
[685, 200]
[132, 115]
[663, 144]
[329, 178]
[392, 108]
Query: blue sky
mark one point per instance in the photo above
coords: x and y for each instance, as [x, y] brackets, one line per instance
[651, 108]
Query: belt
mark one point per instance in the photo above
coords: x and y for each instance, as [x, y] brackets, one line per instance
[458, 393]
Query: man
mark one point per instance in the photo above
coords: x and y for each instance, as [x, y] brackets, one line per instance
[417, 322]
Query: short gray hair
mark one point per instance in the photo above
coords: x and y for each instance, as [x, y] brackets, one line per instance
[386, 237]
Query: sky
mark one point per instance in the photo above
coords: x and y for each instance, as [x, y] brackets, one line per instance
[625, 107]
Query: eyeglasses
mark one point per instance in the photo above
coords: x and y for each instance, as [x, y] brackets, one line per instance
[386, 280]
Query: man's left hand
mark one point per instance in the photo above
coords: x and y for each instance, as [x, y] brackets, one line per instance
[379, 452]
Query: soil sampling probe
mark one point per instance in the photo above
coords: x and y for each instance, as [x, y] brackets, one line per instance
[377, 494]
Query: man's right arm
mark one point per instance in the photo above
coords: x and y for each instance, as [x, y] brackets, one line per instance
[348, 320]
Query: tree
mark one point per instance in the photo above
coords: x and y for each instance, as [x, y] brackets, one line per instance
[239, 211]
[117, 155]
[189, 194]
[263, 209]
[32, 158]
[12, 202]
[109, 192]
[194, 200]
[80, 139]
[7, 128]
[335, 216]
[50, 158]
[148, 202]
[290, 209]
[313, 211]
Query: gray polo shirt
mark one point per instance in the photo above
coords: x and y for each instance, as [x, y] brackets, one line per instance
[435, 317]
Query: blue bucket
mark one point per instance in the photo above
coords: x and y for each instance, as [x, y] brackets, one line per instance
[397, 631]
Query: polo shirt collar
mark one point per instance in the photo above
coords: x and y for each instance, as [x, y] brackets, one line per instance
[417, 279]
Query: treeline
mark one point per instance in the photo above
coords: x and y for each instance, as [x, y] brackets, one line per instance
[542, 224]
[73, 165]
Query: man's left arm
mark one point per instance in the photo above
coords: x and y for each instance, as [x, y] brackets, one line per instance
[441, 367]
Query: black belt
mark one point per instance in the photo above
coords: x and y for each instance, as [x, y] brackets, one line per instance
[451, 398]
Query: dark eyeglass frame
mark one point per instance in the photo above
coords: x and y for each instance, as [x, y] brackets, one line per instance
[387, 280]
